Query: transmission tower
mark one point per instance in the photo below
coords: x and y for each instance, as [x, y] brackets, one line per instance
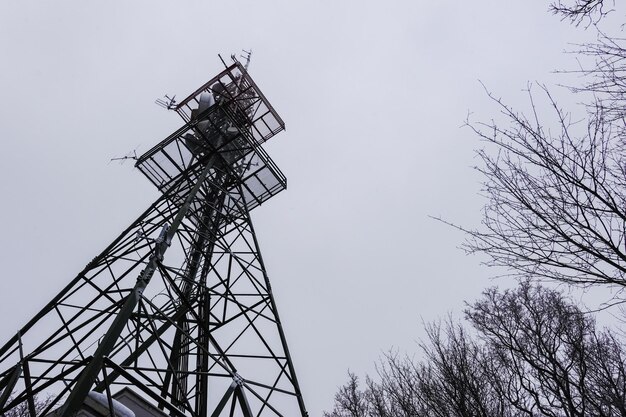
[178, 309]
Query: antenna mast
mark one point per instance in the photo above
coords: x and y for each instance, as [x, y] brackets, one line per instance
[181, 299]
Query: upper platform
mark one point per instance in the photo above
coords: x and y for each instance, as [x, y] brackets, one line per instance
[238, 88]
[228, 118]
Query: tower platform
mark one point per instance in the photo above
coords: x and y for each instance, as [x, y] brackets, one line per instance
[227, 119]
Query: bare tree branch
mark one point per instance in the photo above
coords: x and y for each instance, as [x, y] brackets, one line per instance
[556, 201]
[579, 11]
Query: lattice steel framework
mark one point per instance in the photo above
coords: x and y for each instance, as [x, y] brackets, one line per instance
[179, 306]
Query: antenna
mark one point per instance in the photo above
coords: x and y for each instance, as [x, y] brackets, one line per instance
[247, 57]
[168, 103]
[222, 59]
[131, 155]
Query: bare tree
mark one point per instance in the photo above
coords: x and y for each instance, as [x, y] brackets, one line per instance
[38, 404]
[542, 345]
[399, 388]
[606, 378]
[550, 353]
[556, 186]
[349, 400]
[534, 353]
[556, 197]
[453, 380]
[456, 376]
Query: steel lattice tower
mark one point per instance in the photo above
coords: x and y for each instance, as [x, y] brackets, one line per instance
[179, 307]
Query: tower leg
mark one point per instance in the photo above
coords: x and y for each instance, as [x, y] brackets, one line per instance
[88, 376]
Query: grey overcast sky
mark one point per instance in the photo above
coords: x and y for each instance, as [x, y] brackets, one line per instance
[373, 94]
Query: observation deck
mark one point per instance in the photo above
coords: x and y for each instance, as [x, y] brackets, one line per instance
[226, 120]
